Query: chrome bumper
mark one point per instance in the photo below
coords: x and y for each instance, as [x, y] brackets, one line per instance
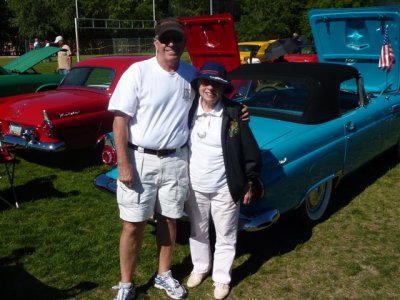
[48, 147]
[259, 222]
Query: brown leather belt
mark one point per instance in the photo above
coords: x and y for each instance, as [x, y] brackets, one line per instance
[159, 153]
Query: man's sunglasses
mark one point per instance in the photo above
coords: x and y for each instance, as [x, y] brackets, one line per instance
[168, 38]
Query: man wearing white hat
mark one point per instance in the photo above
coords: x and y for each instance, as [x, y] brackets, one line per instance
[64, 56]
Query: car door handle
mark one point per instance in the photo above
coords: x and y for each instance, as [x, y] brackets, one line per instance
[350, 126]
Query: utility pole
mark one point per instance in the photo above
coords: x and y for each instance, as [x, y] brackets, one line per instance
[154, 13]
[76, 30]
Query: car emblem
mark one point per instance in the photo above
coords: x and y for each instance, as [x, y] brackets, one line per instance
[69, 114]
[17, 113]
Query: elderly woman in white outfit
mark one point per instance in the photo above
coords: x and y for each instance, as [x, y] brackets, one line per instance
[225, 162]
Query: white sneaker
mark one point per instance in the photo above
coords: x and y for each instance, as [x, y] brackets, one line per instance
[195, 279]
[221, 290]
[126, 291]
[173, 288]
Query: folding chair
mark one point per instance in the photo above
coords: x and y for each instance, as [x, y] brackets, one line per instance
[8, 158]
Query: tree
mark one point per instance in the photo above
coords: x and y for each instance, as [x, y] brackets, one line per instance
[259, 19]
[41, 18]
[5, 15]
[264, 20]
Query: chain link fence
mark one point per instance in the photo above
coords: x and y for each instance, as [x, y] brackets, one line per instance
[110, 46]
[116, 46]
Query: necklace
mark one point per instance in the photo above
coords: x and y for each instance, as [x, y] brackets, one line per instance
[203, 126]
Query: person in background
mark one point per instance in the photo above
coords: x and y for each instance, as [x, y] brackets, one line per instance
[47, 44]
[64, 57]
[36, 44]
[225, 164]
[298, 40]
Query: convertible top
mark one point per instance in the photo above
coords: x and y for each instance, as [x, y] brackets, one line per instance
[323, 72]
[323, 81]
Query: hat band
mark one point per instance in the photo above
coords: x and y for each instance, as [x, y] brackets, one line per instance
[216, 78]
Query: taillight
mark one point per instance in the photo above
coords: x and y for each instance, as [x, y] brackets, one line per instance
[109, 155]
[47, 129]
[47, 126]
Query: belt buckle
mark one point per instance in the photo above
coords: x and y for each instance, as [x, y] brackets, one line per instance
[165, 152]
[160, 153]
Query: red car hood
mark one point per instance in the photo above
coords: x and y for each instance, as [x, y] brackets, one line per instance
[28, 109]
[212, 38]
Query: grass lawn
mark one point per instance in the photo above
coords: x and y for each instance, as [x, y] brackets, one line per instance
[62, 243]
[63, 240]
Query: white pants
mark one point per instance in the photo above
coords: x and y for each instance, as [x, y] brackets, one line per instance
[224, 212]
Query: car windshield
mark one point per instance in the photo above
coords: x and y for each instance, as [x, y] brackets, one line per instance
[275, 96]
[90, 77]
[249, 48]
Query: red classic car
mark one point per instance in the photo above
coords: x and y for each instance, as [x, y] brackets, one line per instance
[306, 53]
[72, 116]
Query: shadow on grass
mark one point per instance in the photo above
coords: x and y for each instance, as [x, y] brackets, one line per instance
[37, 188]
[288, 232]
[17, 284]
[74, 160]
[358, 181]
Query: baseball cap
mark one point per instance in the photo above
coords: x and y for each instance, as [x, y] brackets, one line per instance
[169, 24]
[58, 39]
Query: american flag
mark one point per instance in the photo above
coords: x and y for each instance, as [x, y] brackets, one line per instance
[386, 60]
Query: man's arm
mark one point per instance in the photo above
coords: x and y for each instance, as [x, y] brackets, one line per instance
[244, 113]
[120, 130]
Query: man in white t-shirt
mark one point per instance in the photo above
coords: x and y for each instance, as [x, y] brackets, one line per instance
[151, 104]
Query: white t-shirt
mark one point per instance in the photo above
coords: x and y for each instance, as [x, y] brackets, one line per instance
[207, 169]
[158, 103]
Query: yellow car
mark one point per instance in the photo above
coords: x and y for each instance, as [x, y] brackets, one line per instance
[245, 49]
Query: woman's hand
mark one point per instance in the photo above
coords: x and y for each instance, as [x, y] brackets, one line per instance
[248, 196]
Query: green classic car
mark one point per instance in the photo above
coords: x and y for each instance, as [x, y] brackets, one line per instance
[19, 76]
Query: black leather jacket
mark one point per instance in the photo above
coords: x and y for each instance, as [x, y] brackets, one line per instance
[242, 157]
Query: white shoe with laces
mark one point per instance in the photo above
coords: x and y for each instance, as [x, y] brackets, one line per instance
[195, 279]
[221, 290]
[172, 286]
[126, 291]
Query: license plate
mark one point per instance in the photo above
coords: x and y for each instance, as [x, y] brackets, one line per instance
[15, 129]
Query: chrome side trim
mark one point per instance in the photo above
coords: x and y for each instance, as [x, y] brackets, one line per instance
[49, 147]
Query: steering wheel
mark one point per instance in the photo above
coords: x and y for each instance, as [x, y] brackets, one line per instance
[267, 87]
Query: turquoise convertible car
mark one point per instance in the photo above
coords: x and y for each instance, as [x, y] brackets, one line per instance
[316, 123]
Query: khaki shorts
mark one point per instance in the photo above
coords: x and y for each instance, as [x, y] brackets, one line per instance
[161, 185]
